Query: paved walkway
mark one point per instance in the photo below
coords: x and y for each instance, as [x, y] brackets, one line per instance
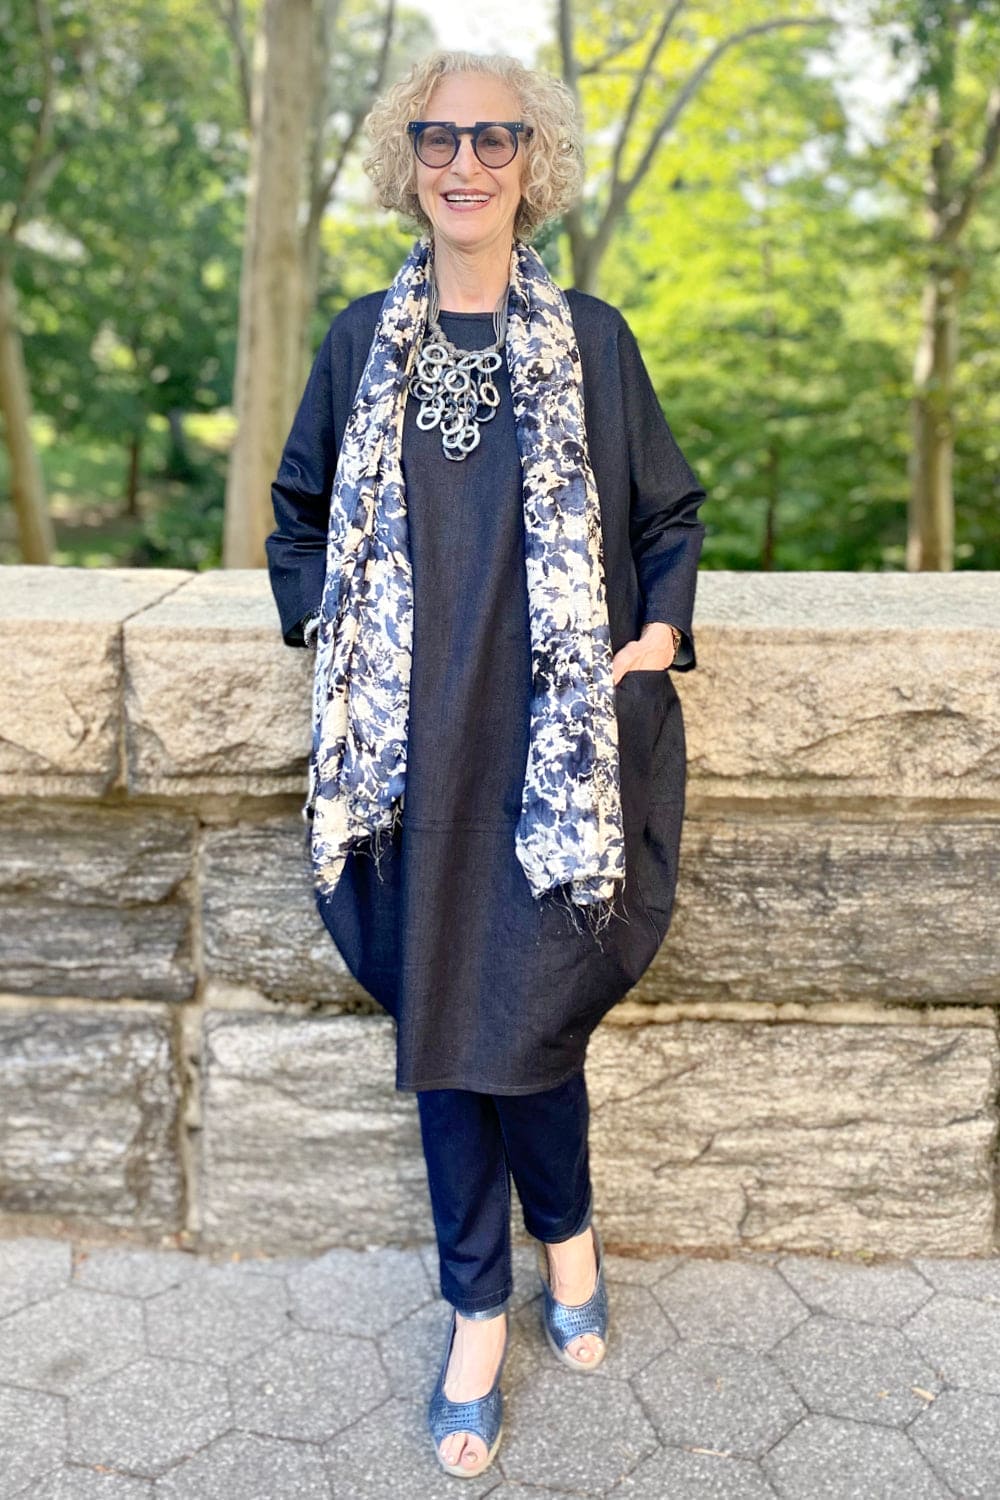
[130, 1374]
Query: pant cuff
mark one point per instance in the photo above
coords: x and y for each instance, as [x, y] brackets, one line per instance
[480, 1310]
[567, 1229]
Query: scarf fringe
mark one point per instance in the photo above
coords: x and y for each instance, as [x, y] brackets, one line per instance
[374, 845]
[591, 917]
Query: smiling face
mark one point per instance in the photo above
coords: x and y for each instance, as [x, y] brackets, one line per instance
[471, 208]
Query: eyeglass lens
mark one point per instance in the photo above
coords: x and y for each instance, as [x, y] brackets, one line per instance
[437, 145]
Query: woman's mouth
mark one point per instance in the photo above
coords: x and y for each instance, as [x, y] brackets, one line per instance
[466, 202]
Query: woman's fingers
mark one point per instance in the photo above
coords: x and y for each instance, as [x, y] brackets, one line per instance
[640, 656]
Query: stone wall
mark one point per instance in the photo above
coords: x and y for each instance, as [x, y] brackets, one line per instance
[810, 1063]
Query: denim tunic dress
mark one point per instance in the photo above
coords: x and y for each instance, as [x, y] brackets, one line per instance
[491, 989]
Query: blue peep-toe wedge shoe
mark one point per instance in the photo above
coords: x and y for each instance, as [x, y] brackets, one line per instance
[563, 1323]
[483, 1416]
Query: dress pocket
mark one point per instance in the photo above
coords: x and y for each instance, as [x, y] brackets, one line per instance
[641, 699]
[598, 968]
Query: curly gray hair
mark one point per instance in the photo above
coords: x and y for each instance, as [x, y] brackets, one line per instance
[553, 157]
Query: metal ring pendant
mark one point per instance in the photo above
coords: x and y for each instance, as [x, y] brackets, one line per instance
[453, 386]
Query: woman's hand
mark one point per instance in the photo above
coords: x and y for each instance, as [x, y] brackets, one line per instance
[653, 651]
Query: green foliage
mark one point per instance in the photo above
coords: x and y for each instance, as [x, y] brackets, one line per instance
[771, 264]
[772, 272]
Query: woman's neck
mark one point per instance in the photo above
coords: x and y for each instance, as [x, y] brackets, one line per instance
[471, 282]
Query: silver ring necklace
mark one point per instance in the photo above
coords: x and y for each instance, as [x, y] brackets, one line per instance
[455, 387]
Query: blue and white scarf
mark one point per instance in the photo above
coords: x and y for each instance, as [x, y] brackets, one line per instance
[570, 827]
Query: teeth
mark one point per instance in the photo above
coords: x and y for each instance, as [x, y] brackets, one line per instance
[467, 197]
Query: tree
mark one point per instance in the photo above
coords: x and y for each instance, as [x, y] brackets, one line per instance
[271, 292]
[36, 157]
[657, 67]
[953, 109]
[313, 81]
[747, 275]
[126, 252]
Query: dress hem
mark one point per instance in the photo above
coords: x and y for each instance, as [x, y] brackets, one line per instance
[490, 1088]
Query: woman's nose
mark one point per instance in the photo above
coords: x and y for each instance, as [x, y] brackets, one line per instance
[466, 159]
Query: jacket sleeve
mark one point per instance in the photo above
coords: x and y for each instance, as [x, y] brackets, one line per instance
[665, 533]
[300, 496]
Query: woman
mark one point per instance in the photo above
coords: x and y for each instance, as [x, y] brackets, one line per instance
[487, 529]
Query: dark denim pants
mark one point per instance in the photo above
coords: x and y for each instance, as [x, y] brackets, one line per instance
[473, 1145]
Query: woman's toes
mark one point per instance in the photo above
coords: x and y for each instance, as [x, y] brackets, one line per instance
[586, 1348]
[463, 1448]
[473, 1455]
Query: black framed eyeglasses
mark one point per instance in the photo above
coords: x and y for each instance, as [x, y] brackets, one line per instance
[436, 142]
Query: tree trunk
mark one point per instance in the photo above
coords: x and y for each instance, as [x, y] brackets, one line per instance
[271, 308]
[772, 345]
[27, 485]
[581, 250]
[930, 540]
[132, 482]
[179, 464]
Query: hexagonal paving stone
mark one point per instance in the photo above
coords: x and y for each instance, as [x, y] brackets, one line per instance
[867, 1294]
[280, 1266]
[148, 1416]
[32, 1437]
[831, 1458]
[730, 1302]
[241, 1466]
[70, 1339]
[960, 1338]
[690, 1476]
[31, 1270]
[359, 1291]
[308, 1385]
[575, 1433]
[856, 1370]
[960, 1436]
[733, 1401]
[220, 1315]
[76, 1483]
[133, 1273]
[978, 1278]
[638, 1330]
[520, 1492]
[367, 1461]
[631, 1270]
[412, 1350]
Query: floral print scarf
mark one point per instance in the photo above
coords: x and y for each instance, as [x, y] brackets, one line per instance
[570, 828]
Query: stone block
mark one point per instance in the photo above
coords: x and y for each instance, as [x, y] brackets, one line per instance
[215, 702]
[260, 926]
[90, 1104]
[795, 1136]
[61, 690]
[845, 685]
[840, 684]
[305, 1141]
[777, 1136]
[91, 901]
[808, 908]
